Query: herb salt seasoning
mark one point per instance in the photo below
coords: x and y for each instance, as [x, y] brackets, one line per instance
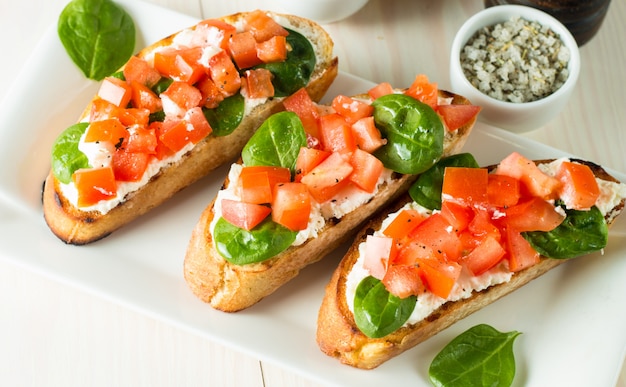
[516, 61]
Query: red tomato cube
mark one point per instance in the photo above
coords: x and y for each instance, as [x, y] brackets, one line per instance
[291, 206]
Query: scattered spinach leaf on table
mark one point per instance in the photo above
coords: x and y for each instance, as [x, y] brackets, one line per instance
[98, 35]
[480, 356]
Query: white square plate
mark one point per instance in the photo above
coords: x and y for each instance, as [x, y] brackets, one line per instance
[572, 319]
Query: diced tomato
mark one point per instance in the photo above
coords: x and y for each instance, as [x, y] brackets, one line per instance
[219, 32]
[161, 151]
[291, 206]
[351, 109]
[367, 170]
[424, 91]
[174, 134]
[223, 72]
[366, 135]
[301, 103]
[485, 256]
[439, 277]
[458, 215]
[410, 251]
[329, 173]
[181, 65]
[135, 116]
[183, 96]
[116, 91]
[263, 26]
[403, 224]
[143, 97]
[525, 170]
[336, 134]
[579, 187]
[324, 194]
[110, 130]
[242, 48]
[94, 185]
[469, 241]
[140, 71]
[101, 110]
[309, 158]
[244, 215]
[379, 90]
[200, 126]
[534, 214]
[465, 185]
[404, 281]
[257, 182]
[141, 140]
[129, 166]
[502, 190]
[211, 94]
[379, 251]
[481, 226]
[258, 83]
[520, 253]
[272, 50]
[436, 233]
[456, 116]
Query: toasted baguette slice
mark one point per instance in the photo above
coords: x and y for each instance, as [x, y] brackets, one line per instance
[230, 288]
[338, 335]
[75, 226]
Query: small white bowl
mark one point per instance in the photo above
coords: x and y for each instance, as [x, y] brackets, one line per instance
[321, 11]
[515, 117]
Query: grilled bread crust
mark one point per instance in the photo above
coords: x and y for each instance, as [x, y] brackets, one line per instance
[77, 227]
[339, 337]
[230, 288]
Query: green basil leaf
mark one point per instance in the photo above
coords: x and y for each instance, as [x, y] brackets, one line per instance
[242, 247]
[582, 232]
[426, 191]
[413, 130]
[98, 35]
[480, 356]
[66, 158]
[227, 116]
[295, 72]
[377, 312]
[277, 142]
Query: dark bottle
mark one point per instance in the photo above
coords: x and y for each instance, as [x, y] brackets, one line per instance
[582, 18]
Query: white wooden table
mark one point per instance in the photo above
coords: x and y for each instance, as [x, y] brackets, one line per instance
[53, 334]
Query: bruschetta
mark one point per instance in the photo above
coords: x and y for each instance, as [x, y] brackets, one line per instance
[309, 177]
[461, 238]
[178, 109]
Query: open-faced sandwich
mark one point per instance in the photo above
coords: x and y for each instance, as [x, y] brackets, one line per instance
[309, 177]
[462, 238]
[178, 109]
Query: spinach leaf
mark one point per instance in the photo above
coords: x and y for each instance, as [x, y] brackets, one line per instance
[413, 130]
[162, 85]
[98, 35]
[480, 356]
[242, 247]
[277, 142]
[377, 312]
[582, 232]
[426, 191]
[66, 158]
[227, 116]
[295, 72]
